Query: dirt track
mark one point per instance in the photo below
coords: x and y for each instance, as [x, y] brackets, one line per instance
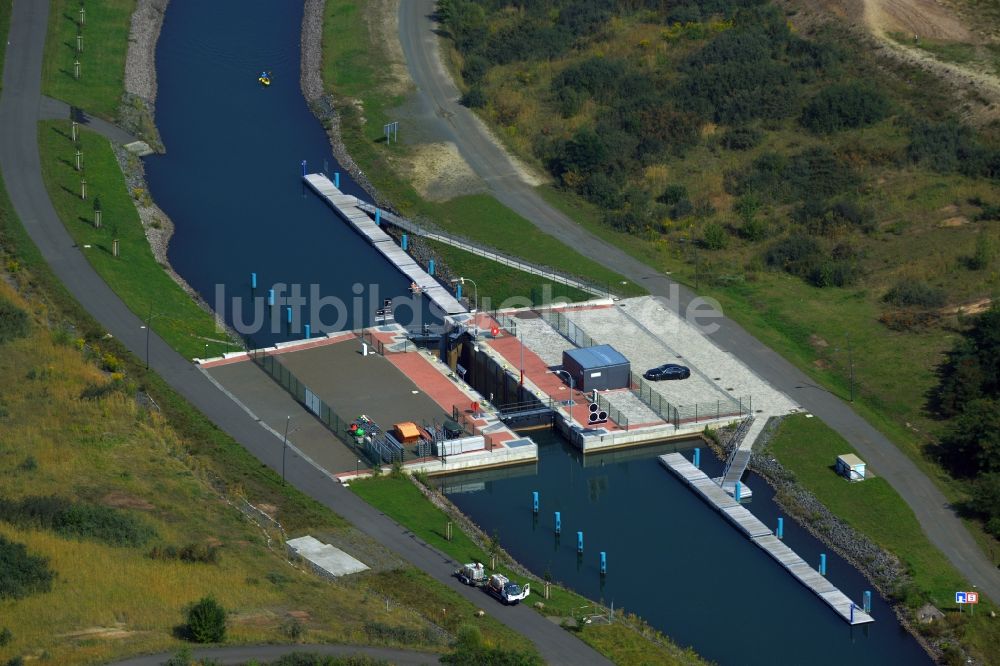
[923, 18]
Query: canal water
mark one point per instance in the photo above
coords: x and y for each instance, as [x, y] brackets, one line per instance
[231, 177]
[673, 560]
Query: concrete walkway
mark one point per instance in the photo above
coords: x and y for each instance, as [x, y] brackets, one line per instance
[437, 105]
[20, 167]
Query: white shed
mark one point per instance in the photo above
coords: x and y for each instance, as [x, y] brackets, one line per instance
[851, 466]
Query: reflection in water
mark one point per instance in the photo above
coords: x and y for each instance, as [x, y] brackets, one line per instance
[673, 560]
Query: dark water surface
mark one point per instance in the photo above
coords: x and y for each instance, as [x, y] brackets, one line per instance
[675, 561]
[231, 178]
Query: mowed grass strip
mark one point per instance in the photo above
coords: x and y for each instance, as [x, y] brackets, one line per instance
[135, 275]
[808, 448]
[399, 499]
[102, 62]
[500, 285]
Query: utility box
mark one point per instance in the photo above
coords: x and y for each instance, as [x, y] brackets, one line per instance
[601, 367]
[851, 466]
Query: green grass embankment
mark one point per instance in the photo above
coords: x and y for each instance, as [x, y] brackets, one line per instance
[807, 447]
[134, 275]
[400, 499]
[102, 62]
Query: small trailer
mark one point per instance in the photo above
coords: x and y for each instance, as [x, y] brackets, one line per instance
[473, 573]
[503, 589]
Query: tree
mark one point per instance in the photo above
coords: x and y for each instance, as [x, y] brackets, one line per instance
[972, 444]
[843, 107]
[207, 621]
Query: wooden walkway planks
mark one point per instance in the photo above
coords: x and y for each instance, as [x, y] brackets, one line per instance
[346, 206]
[759, 533]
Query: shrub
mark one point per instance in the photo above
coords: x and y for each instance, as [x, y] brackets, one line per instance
[22, 574]
[475, 98]
[293, 628]
[915, 293]
[105, 524]
[844, 106]
[29, 464]
[6, 636]
[796, 254]
[714, 236]
[741, 137]
[379, 632]
[206, 621]
[13, 321]
[192, 552]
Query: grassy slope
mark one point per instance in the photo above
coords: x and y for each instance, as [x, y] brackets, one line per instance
[110, 449]
[807, 447]
[403, 502]
[102, 63]
[353, 69]
[135, 275]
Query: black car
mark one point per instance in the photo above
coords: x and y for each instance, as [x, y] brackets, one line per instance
[668, 371]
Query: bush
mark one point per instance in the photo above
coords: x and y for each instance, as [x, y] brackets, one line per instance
[827, 218]
[22, 574]
[104, 524]
[192, 552]
[206, 621]
[796, 254]
[13, 321]
[379, 632]
[844, 106]
[714, 236]
[741, 137]
[474, 99]
[915, 293]
[6, 636]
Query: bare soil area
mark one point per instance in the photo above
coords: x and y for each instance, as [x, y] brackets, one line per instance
[438, 172]
[976, 88]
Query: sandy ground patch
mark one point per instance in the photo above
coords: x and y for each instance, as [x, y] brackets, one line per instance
[922, 18]
[438, 172]
[120, 500]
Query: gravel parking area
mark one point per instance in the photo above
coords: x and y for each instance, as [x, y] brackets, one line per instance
[541, 338]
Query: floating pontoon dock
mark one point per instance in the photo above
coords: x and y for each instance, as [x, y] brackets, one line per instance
[346, 206]
[763, 537]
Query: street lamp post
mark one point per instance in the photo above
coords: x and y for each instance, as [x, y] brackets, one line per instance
[571, 401]
[149, 325]
[357, 467]
[475, 292]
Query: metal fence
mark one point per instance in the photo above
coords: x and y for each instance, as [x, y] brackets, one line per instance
[615, 414]
[486, 252]
[567, 329]
[693, 413]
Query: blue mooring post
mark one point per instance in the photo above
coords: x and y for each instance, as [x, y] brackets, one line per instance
[253, 280]
[737, 491]
[405, 242]
[697, 457]
[534, 501]
[288, 316]
[868, 601]
[558, 523]
[303, 167]
[604, 563]
[378, 216]
[336, 179]
[308, 331]
[430, 267]
[781, 528]
[579, 542]
[822, 564]
[852, 612]
[270, 297]
[458, 292]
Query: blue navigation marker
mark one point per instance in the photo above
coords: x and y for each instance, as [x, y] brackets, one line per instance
[781, 528]
[336, 179]
[534, 501]
[822, 564]
[253, 280]
[270, 297]
[558, 523]
[303, 167]
[579, 542]
[308, 329]
[697, 457]
[604, 563]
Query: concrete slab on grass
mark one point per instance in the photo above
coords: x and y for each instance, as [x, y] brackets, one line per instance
[326, 559]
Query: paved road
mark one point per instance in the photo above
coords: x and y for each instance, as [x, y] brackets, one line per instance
[437, 107]
[244, 653]
[20, 110]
